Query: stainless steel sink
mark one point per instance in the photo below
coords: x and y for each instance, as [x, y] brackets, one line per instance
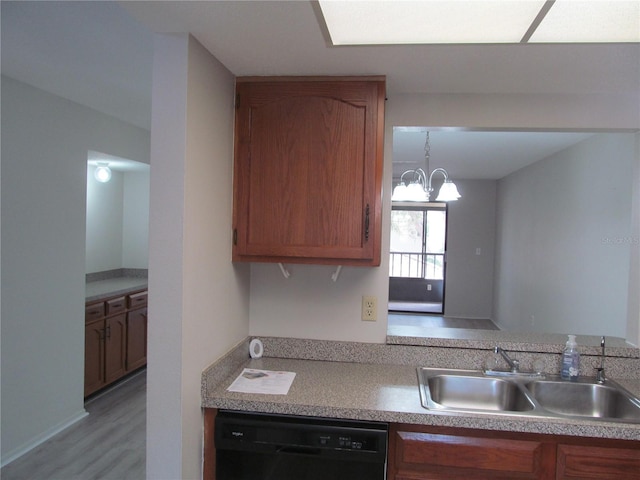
[585, 399]
[471, 391]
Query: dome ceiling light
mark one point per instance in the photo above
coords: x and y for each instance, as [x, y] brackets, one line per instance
[103, 172]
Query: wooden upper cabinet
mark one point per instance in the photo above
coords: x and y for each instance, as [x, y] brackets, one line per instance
[308, 170]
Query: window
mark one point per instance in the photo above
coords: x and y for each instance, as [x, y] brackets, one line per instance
[417, 256]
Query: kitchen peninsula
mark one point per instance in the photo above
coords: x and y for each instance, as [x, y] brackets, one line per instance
[378, 383]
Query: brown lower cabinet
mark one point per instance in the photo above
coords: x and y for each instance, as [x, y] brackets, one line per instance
[94, 356]
[115, 347]
[136, 355]
[418, 452]
[436, 453]
[115, 339]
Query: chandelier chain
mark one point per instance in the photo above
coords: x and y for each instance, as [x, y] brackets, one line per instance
[427, 151]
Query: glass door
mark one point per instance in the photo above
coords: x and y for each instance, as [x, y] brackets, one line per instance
[417, 260]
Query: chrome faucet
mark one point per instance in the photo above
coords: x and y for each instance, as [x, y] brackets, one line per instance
[600, 378]
[513, 363]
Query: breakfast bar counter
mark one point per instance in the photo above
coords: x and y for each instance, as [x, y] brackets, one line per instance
[386, 393]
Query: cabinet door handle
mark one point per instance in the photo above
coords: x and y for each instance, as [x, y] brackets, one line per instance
[109, 332]
[366, 223]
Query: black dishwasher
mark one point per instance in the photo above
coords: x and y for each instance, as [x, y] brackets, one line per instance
[281, 447]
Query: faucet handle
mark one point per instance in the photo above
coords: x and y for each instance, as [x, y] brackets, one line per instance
[516, 365]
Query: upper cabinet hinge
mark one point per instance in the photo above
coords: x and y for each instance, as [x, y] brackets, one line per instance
[235, 236]
[237, 100]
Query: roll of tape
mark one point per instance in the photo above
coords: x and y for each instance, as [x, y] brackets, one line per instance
[256, 348]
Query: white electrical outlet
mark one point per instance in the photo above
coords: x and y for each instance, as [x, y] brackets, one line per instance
[369, 308]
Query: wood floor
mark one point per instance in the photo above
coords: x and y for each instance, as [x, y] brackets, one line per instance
[439, 321]
[109, 443]
[416, 307]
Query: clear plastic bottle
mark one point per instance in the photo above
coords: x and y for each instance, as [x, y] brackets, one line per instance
[570, 360]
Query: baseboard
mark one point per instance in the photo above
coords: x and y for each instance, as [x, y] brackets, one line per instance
[41, 438]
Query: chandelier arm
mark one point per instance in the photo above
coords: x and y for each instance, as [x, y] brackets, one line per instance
[439, 170]
[404, 173]
[421, 176]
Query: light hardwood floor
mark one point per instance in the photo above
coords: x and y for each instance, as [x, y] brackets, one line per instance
[436, 326]
[109, 443]
[439, 321]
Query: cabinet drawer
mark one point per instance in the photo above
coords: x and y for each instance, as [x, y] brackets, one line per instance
[94, 311]
[137, 300]
[116, 305]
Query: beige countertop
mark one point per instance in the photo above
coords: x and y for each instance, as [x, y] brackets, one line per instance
[102, 289]
[379, 392]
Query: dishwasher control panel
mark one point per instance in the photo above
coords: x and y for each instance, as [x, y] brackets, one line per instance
[262, 431]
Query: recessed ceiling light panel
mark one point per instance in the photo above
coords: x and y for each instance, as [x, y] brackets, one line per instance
[432, 21]
[589, 21]
[370, 22]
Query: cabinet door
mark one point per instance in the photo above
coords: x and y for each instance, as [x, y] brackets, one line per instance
[418, 454]
[93, 356]
[115, 347]
[136, 338]
[584, 462]
[308, 172]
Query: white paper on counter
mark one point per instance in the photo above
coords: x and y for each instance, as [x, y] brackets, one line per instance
[262, 381]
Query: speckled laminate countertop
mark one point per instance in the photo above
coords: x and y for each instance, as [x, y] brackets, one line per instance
[379, 392]
[102, 289]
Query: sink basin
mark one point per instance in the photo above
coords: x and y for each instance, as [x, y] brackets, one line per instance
[471, 391]
[585, 399]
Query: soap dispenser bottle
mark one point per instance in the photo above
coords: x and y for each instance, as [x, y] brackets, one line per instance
[570, 360]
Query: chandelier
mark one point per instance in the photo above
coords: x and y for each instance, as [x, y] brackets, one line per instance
[420, 187]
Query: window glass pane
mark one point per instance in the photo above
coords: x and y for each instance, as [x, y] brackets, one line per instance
[436, 225]
[407, 227]
[406, 230]
[416, 251]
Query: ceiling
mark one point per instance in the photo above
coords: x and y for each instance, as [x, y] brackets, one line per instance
[476, 155]
[90, 52]
[116, 163]
[100, 54]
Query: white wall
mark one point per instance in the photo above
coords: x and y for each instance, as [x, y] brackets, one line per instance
[45, 141]
[310, 305]
[104, 222]
[198, 299]
[564, 238]
[135, 220]
[117, 233]
[633, 323]
[471, 224]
